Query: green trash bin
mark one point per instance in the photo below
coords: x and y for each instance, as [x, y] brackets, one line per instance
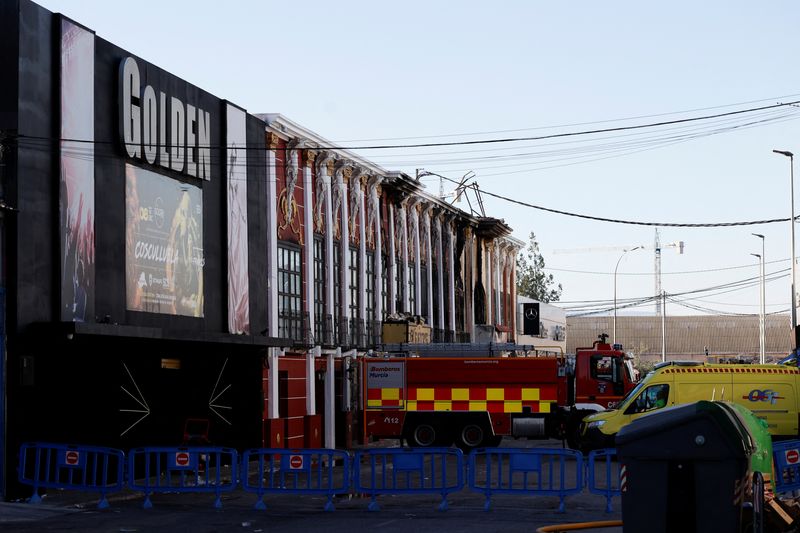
[687, 469]
[761, 456]
[761, 464]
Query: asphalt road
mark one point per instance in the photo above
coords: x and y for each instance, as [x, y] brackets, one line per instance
[416, 514]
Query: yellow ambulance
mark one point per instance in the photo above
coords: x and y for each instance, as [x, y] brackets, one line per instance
[769, 391]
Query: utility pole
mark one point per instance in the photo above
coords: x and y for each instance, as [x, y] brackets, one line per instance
[678, 245]
[657, 271]
[663, 301]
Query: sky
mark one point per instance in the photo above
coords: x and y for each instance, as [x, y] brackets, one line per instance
[366, 73]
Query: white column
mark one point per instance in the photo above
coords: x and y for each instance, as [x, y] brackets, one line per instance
[512, 283]
[404, 252]
[362, 256]
[469, 285]
[323, 169]
[330, 400]
[440, 272]
[451, 247]
[311, 389]
[429, 261]
[488, 259]
[498, 284]
[345, 245]
[378, 251]
[272, 383]
[507, 269]
[272, 242]
[308, 218]
[417, 261]
[392, 263]
[347, 380]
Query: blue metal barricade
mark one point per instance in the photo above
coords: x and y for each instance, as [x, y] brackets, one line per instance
[64, 466]
[305, 471]
[408, 471]
[183, 469]
[604, 474]
[528, 471]
[786, 454]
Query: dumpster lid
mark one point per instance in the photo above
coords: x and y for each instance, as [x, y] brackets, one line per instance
[761, 457]
[718, 413]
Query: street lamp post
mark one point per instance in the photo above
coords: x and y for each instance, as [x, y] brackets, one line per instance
[760, 308]
[762, 323]
[614, 332]
[790, 155]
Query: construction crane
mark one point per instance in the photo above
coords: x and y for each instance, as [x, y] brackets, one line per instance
[679, 245]
[657, 267]
[597, 249]
[657, 247]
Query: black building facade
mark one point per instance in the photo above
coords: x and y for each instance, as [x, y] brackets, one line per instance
[125, 289]
[168, 257]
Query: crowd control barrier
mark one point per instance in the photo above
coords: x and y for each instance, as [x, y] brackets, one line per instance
[786, 454]
[330, 472]
[542, 471]
[183, 469]
[63, 466]
[408, 471]
[604, 474]
[304, 471]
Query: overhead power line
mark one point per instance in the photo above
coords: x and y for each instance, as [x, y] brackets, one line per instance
[488, 141]
[701, 271]
[572, 134]
[713, 290]
[620, 152]
[731, 304]
[707, 310]
[632, 222]
[90, 155]
[51, 144]
[581, 150]
[574, 123]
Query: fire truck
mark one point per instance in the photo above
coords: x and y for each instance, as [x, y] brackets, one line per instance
[473, 395]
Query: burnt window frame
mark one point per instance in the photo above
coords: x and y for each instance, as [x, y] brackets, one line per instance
[320, 286]
[290, 291]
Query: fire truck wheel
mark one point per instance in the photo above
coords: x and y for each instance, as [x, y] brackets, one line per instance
[424, 435]
[471, 436]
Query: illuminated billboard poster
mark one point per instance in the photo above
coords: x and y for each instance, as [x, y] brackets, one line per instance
[76, 197]
[163, 244]
[236, 171]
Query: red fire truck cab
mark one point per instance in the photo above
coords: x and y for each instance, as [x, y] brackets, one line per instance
[437, 395]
